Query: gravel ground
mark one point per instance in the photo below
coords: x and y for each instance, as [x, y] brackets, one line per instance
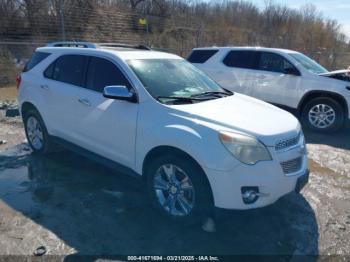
[72, 206]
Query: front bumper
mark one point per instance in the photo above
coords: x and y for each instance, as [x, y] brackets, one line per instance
[302, 181]
[268, 176]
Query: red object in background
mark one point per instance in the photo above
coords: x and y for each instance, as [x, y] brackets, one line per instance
[18, 81]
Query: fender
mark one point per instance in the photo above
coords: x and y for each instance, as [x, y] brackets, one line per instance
[203, 146]
[318, 93]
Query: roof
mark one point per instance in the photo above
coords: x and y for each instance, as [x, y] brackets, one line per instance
[123, 53]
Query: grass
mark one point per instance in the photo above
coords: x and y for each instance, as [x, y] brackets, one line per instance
[9, 93]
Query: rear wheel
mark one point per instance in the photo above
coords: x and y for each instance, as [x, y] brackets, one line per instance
[323, 115]
[36, 133]
[178, 188]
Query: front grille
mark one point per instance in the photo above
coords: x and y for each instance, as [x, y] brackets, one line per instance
[283, 144]
[292, 166]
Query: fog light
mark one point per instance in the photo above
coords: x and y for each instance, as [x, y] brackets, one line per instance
[250, 194]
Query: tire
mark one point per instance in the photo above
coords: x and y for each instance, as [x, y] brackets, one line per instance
[198, 202]
[323, 114]
[32, 118]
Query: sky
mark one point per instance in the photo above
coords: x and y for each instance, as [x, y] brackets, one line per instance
[334, 9]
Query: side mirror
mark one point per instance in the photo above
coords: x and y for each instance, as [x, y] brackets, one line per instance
[291, 71]
[119, 93]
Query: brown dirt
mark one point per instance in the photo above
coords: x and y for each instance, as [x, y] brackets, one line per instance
[8, 93]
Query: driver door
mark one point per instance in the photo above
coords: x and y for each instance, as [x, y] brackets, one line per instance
[276, 80]
[107, 126]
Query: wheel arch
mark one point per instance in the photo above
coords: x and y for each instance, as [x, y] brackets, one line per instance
[165, 150]
[320, 93]
[170, 150]
[26, 106]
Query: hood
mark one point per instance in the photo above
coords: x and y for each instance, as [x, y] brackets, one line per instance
[343, 75]
[246, 115]
[337, 72]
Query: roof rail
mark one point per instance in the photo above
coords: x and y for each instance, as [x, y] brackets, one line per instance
[95, 45]
[72, 44]
[140, 46]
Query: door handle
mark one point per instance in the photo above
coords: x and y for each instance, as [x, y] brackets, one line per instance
[261, 77]
[45, 87]
[84, 101]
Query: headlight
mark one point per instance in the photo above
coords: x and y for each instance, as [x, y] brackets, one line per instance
[303, 146]
[246, 149]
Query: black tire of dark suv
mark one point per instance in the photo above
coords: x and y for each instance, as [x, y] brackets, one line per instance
[323, 114]
[36, 132]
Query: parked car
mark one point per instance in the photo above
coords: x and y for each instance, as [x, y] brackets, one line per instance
[282, 77]
[156, 116]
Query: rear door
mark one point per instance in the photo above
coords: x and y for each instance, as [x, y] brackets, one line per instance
[62, 81]
[106, 126]
[274, 81]
[238, 72]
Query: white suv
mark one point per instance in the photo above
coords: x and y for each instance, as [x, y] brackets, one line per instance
[156, 116]
[282, 77]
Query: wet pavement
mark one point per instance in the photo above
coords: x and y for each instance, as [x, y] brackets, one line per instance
[73, 206]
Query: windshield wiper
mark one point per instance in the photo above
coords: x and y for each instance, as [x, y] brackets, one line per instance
[226, 92]
[181, 98]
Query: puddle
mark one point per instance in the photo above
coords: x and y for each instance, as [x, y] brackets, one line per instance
[45, 179]
[11, 190]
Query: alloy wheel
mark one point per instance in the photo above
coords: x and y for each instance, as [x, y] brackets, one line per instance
[322, 116]
[174, 190]
[35, 133]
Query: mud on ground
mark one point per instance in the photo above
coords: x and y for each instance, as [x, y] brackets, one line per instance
[73, 206]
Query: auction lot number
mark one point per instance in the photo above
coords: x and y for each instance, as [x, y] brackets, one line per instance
[173, 258]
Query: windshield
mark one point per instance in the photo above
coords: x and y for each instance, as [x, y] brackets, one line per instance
[309, 64]
[172, 78]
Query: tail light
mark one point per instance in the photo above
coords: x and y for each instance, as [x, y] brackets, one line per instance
[18, 81]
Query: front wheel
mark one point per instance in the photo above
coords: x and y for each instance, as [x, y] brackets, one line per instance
[178, 188]
[323, 115]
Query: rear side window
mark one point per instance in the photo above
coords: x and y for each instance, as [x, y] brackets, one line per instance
[68, 69]
[102, 72]
[241, 59]
[35, 59]
[49, 71]
[201, 56]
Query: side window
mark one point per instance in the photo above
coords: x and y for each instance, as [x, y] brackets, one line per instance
[102, 72]
[35, 59]
[273, 63]
[49, 70]
[241, 59]
[201, 56]
[68, 69]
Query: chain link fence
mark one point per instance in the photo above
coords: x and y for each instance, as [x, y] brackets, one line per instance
[178, 34]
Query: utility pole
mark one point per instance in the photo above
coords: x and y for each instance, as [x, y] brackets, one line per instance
[63, 30]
